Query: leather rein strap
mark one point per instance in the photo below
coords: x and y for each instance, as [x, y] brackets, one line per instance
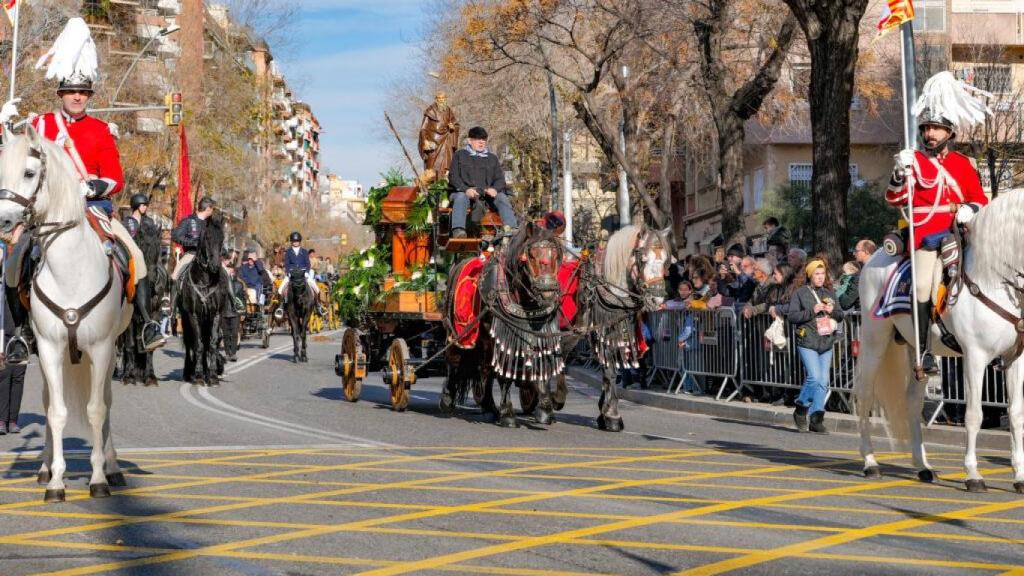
[1016, 321]
[72, 317]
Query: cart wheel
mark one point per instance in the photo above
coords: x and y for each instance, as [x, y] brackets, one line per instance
[353, 364]
[528, 399]
[266, 339]
[400, 376]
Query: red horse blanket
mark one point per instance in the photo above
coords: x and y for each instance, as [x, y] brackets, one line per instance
[570, 283]
[466, 308]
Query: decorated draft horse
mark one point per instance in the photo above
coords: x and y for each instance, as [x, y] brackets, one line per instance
[985, 304]
[299, 306]
[202, 293]
[605, 304]
[501, 313]
[136, 365]
[79, 305]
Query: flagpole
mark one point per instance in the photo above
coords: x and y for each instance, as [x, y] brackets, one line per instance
[14, 50]
[910, 142]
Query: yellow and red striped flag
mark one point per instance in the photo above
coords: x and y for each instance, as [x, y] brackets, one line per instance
[896, 13]
[11, 8]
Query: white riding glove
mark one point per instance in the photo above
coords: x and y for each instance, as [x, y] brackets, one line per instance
[905, 160]
[966, 213]
[9, 111]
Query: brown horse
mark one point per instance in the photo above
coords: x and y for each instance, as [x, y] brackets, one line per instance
[518, 340]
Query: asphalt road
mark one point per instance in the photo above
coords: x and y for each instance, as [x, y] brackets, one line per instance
[274, 473]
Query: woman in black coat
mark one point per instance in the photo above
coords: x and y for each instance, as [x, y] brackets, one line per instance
[815, 314]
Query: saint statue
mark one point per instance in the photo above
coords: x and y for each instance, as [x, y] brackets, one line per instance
[439, 137]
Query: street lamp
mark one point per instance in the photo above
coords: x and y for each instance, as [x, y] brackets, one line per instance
[159, 34]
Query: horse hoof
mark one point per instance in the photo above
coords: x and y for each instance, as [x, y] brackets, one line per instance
[53, 496]
[874, 472]
[545, 418]
[610, 424]
[1018, 487]
[446, 406]
[152, 381]
[213, 383]
[976, 486]
[116, 479]
[926, 476]
[43, 477]
[508, 422]
[99, 490]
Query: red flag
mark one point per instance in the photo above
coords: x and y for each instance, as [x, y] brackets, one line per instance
[184, 179]
[11, 7]
[896, 12]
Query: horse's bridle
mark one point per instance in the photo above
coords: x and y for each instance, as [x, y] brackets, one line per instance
[38, 230]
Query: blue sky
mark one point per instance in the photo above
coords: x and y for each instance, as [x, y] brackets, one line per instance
[347, 53]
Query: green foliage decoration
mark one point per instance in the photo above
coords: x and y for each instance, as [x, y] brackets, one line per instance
[361, 284]
[376, 195]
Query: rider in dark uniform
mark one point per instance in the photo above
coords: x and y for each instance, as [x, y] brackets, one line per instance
[189, 232]
[138, 218]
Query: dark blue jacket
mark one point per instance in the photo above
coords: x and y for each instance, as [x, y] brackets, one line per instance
[189, 232]
[252, 275]
[293, 260]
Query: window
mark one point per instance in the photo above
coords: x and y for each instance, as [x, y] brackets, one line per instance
[800, 175]
[758, 188]
[801, 79]
[929, 16]
[747, 200]
[992, 78]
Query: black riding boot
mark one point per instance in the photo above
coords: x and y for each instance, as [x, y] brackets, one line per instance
[151, 336]
[19, 344]
[924, 324]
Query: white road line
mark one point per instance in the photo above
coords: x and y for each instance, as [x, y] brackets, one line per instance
[186, 393]
[206, 395]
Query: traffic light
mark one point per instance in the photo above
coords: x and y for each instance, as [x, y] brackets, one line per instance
[344, 239]
[175, 109]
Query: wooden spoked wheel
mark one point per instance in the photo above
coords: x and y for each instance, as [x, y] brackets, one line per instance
[352, 364]
[399, 373]
[528, 398]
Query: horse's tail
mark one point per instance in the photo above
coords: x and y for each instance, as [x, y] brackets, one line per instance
[883, 384]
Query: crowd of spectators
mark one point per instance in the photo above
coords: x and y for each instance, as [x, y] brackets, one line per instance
[770, 285]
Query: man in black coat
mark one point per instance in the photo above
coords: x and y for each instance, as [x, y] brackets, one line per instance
[475, 175]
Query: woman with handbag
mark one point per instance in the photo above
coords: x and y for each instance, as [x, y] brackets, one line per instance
[815, 314]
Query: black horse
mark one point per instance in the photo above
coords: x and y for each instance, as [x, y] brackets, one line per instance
[202, 294]
[518, 341]
[136, 365]
[299, 307]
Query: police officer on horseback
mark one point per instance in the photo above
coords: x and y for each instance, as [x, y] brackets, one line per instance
[92, 149]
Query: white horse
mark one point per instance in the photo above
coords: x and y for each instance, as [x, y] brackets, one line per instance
[78, 309]
[994, 261]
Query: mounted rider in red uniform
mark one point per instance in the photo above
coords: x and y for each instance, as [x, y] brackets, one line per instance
[946, 188]
[92, 149]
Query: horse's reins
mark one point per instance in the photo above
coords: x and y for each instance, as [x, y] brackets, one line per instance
[1016, 321]
[45, 233]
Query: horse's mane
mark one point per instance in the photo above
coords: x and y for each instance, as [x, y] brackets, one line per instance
[60, 198]
[997, 234]
[617, 255]
[211, 243]
[148, 239]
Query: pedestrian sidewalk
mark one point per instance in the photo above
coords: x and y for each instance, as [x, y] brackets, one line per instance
[781, 415]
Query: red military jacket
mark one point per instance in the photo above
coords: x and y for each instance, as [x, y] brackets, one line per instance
[941, 186]
[94, 143]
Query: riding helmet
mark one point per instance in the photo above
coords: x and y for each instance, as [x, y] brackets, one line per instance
[138, 200]
[295, 237]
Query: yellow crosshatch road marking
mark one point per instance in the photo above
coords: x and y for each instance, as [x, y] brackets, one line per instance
[444, 472]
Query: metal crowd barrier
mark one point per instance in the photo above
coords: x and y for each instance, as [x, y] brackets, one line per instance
[722, 345]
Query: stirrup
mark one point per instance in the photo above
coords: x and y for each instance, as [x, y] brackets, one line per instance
[16, 352]
[157, 339]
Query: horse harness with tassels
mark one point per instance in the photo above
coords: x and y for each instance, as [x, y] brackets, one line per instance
[43, 231]
[1016, 321]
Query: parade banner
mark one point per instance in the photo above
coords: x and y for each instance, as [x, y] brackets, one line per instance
[897, 12]
[184, 178]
